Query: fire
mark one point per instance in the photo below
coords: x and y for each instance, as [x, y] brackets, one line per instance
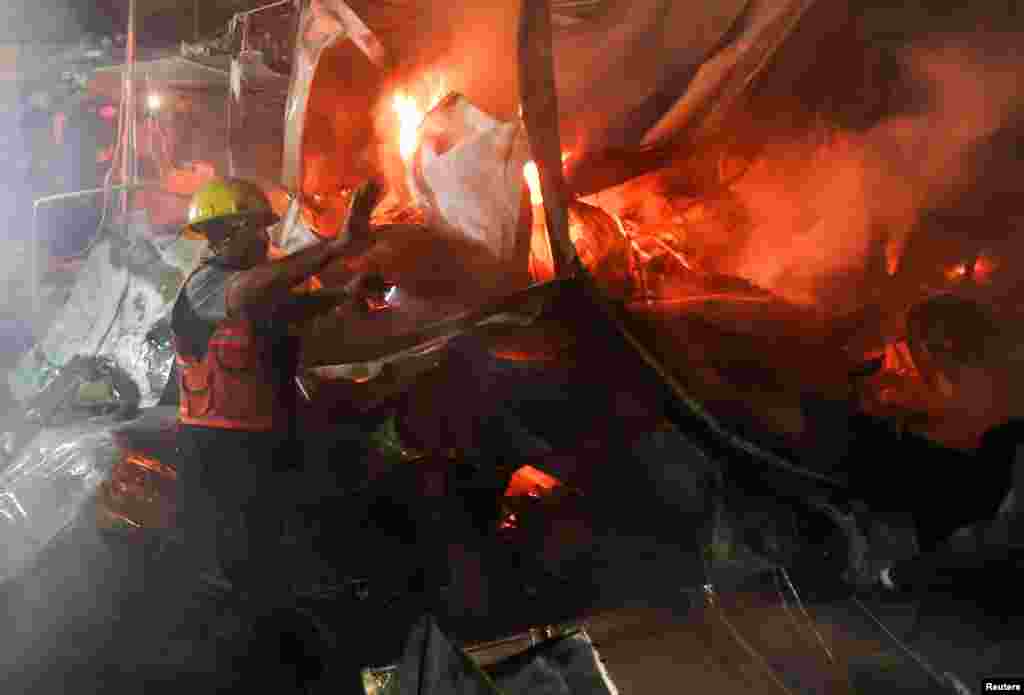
[980, 270]
[984, 267]
[893, 254]
[532, 176]
[898, 360]
[957, 272]
[410, 117]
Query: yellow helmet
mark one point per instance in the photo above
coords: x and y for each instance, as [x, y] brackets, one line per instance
[224, 205]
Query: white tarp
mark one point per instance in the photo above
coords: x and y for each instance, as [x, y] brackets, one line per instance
[115, 302]
[467, 177]
[80, 327]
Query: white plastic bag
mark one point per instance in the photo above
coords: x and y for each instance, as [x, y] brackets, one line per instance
[467, 176]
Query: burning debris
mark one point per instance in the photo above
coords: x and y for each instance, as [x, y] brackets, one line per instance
[763, 269]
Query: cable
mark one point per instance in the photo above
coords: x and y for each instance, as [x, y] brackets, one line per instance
[947, 682]
[709, 596]
[785, 603]
[108, 177]
[807, 616]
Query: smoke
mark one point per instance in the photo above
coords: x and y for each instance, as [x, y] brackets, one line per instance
[39, 21]
[925, 160]
[817, 216]
[818, 212]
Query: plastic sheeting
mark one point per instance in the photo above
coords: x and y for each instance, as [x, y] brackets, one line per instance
[467, 177]
[321, 24]
[125, 287]
[47, 486]
[628, 74]
[84, 387]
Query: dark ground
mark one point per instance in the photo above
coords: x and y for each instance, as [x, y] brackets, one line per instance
[100, 626]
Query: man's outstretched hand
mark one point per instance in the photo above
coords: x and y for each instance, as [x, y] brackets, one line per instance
[355, 237]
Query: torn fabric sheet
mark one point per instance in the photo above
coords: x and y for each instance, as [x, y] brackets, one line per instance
[467, 177]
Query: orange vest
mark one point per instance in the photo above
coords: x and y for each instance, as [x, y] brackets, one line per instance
[232, 385]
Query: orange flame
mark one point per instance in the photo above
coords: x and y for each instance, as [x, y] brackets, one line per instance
[528, 479]
[532, 175]
[957, 272]
[410, 117]
[984, 267]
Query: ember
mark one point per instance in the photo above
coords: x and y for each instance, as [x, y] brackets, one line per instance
[957, 273]
[984, 267]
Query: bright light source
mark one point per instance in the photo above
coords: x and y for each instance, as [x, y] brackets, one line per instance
[410, 116]
[532, 175]
[533, 181]
[154, 102]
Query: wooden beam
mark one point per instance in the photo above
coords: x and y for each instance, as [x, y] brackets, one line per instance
[540, 115]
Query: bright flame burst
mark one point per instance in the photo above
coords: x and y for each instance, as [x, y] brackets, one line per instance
[410, 117]
[533, 182]
[532, 175]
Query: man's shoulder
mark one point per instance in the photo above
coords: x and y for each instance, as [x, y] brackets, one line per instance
[206, 290]
[208, 275]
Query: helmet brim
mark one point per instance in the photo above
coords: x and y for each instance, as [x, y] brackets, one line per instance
[215, 230]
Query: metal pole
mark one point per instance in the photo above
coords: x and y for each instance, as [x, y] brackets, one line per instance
[96, 191]
[130, 153]
[36, 283]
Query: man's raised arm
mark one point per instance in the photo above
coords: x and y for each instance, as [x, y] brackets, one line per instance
[258, 292]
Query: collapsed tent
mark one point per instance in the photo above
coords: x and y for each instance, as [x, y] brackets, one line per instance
[367, 99]
[687, 59]
[772, 241]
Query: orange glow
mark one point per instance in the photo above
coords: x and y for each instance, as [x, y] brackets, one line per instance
[151, 464]
[529, 480]
[984, 267]
[410, 116]
[893, 254]
[957, 272]
[899, 361]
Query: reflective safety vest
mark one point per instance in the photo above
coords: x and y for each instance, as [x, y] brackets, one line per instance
[232, 385]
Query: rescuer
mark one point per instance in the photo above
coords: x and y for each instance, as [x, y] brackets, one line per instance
[236, 368]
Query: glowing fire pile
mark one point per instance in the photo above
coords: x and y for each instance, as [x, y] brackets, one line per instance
[626, 258]
[622, 256]
[796, 228]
